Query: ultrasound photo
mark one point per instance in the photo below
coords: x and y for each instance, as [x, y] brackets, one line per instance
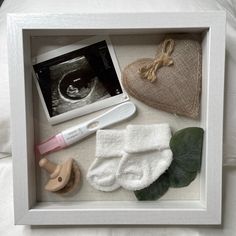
[74, 84]
[78, 78]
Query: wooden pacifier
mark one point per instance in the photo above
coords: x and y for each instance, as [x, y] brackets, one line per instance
[64, 178]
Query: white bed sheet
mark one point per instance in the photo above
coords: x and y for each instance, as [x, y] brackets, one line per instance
[75, 6]
[5, 139]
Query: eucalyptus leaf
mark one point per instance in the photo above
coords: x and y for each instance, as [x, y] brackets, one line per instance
[154, 191]
[186, 145]
[179, 177]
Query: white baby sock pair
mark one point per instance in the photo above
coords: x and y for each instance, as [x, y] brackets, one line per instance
[132, 158]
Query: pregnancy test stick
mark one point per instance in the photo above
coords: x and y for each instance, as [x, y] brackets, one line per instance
[78, 132]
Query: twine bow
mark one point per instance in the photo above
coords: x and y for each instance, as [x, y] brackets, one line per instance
[149, 71]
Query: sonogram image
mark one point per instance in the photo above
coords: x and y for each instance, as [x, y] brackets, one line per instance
[74, 84]
[78, 78]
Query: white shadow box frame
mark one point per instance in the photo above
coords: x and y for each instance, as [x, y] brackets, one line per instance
[206, 210]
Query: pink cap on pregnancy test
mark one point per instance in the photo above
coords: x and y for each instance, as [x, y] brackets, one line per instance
[55, 143]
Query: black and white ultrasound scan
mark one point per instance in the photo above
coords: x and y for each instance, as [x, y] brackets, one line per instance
[78, 78]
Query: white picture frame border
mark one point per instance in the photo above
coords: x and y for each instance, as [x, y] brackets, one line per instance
[206, 210]
[90, 108]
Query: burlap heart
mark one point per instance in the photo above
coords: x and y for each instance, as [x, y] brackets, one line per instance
[170, 82]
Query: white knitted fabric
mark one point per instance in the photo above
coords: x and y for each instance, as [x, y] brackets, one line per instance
[147, 155]
[109, 149]
[132, 158]
[141, 138]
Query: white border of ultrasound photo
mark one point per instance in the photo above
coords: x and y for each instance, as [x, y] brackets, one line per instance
[90, 107]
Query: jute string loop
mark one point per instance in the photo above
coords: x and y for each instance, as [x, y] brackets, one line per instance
[149, 71]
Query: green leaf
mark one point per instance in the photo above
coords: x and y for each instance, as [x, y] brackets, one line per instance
[178, 177]
[154, 191]
[186, 145]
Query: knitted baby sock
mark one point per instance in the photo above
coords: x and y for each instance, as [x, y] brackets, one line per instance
[147, 155]
[109, 149]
